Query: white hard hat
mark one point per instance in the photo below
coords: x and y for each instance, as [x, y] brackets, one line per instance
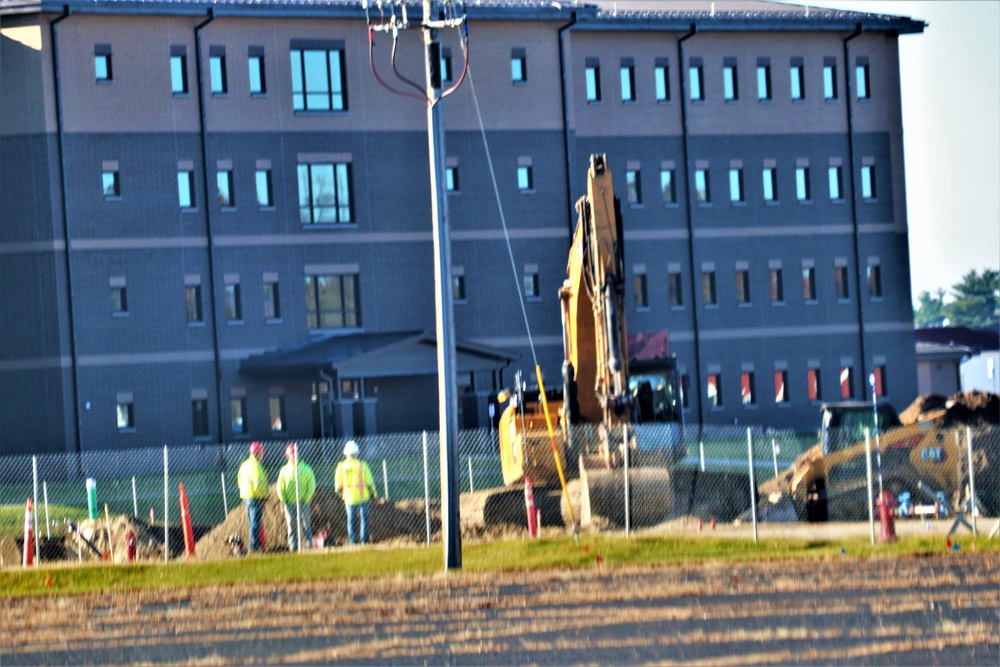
[351, 448]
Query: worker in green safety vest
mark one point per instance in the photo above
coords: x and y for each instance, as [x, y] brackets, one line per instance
[252, 480]
[301, 508]
[354, 483]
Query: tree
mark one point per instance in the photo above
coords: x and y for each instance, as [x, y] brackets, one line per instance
[931, 310]
[976, 301]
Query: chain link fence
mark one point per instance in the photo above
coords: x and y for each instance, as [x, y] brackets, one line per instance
[719, 473]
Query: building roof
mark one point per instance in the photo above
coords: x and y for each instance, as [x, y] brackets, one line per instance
[976, 339]
[589, 14]
[941, 352]
[366, 355]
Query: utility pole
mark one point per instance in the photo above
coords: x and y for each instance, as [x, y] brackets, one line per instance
[432, 22]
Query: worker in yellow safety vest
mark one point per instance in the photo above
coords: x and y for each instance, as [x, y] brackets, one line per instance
[354, 483]
[298, 512]
[252, 480]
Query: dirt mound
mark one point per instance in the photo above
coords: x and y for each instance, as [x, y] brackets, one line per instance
[970, 408]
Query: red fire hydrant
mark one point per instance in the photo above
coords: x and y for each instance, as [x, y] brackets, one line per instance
[886, 517]
[130, 545]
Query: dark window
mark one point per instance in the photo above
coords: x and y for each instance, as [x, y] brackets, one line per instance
[808, 283]
[318, 80]
[126, 415]
[836, 189]
[730, 83]
[458, 287]
[777, 287]
[446, 71]
[525, 178]
[685, 382]
[868, 182]
[276, 408]
[813, 384]
[701, 186]
[847, 382]
[192, 302]
[696, 77]
[661, 79]
[238, 410]
[668, 187]
[713, 386]
[748, 392]
[864, 80]
[531, 285]
[633, 186]
[781, 387]
[224, 185]
[675, 293]
[325, 193]
[639, 290]
[451, 179]
[272, 301]
[102, 63]
[199, 417]
[763, 80]
[265, 193]
[736, 185]
[742, 286]
[255, 64]
[830, 81]
[797, 81]
[185, 188]
[770, 178]
[628, 80]
[840, 281]
[802, 189]
[119, 301]
[875, 281]
[178, 70]
[234, 306]
[217, 71]
[708, 294]
[518, 66]
[111, 184]
[333, 302]
[879, 380]
[593, 80]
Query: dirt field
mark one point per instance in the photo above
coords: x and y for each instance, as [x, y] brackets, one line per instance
[939, 610]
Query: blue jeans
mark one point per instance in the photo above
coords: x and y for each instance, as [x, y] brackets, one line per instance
[361, 511]
[305, 510]
[255, 513]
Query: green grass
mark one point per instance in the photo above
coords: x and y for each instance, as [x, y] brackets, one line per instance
[507, 556]
[12, 518]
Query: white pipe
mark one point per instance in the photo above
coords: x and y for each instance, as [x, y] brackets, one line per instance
[34, 515]
[427, 492]
[472, 486]
[166, 505]
[972, 481]
[135, 501]
[225, 503]
[625, 459]
[385, 479]
[45, 495]
[298, 502]
[753, 484]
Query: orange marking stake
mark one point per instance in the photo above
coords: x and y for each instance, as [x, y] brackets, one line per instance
[186, 522]
[529, 506]
[28, 556]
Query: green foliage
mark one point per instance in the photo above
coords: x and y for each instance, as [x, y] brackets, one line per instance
[974, 302]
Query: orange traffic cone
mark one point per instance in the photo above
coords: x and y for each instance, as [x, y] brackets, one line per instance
[712, 524]
[28, 557]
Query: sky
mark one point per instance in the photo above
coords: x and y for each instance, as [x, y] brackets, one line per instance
[950, 79]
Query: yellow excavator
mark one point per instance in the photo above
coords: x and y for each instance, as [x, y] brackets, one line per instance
[584, 458]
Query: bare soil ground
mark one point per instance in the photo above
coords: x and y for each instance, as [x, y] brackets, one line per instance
[937, 610]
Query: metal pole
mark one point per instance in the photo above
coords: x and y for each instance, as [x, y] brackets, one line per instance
[298, 502]
[385, 479]
[472, 485]
[34, 515]
[878, 441]
[444, 309]
[871, 501]
[427, 492]
[701, 451]
[625, 457]
[972, 481]
[774, 455]
[45, 495]
[753, 484]
[225, 503]
[166, 505]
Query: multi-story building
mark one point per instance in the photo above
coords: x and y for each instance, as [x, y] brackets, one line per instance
[216, 222]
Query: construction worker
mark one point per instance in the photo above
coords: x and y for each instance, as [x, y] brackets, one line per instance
[286, 491]
[253, 490]
[354, 483]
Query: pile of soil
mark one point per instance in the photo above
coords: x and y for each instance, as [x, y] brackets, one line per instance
[149, 540]
[970, 408]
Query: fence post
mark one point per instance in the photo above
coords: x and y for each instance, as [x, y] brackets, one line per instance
[45, 495]
[135, 500]
[753, 484]
[625, 459]
[972, 480]
[427, 492]
[868, 464]
[298, 506]
[701, 450]
[225, 503]
[34, 517]
[385, 479]
[166, 505]
[472, 486]
[774, 455]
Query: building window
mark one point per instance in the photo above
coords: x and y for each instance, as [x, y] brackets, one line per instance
[781, 387]
[841, 285]
[713, 386]
[333, 302]
[178, 70]
[868, 182]
[276, 408]
[255, 65]
[633, 186]
[525, 178]
[863, 80]
[661, 80]
[743, 286]
[836, 188]
[318, 80]
[199, 417]
[748, 392]
[809, 283]
[764, 80]
[770, 178]
[224, 187]
[126, 415]
[102, 63]
[708, 294]
[697, 81]
[846, 382]
[736, 185]
[234, 306]
[776, 285]
[265, 192]
[451, 179]
[446, 71]
[628, 80]
[458, 287]
[119, 301]
[593, 78]
[729, 83]
[639, 291]
[519, 66]
[874, 281]
[192, 303]
[531, 284]
[237, 412]
[685, 387]
[272, 301]
[185, 188]
[667, 186]
[325, 193]
[701, 186]
[830, 81]
[879, 381]
[675, 294]
[802, 191]
[217, 70]
[112, 187]
[797, 81]
[813, 384]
